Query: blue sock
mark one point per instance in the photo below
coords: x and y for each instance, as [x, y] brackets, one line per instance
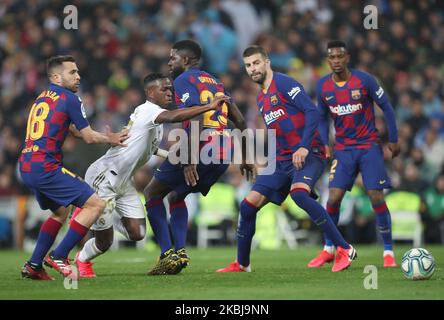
[179, 223]
[333, 212]
[75, 234]
[245, 232]
[48, 233]
[384, 223]
[319, 216]
[157, 217]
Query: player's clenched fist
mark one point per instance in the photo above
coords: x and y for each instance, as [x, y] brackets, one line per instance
[218, 102]
[299, 157]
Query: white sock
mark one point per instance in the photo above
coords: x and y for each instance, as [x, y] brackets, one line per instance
[389, 252]
[329, 249]
[89, 251]
[247, 269]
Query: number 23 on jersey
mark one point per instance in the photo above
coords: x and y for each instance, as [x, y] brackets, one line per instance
[207, 96]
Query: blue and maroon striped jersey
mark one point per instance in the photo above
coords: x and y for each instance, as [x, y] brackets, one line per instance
[351, 107]
[286, 108]
[48, 124]
[195, 87]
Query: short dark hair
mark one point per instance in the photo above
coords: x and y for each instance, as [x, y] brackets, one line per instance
[253, 50]
[57, 61]
[190, 47]
[151, 78]
[336, 44]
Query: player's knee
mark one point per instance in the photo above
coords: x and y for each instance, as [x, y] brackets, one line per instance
[256, 199]
[101, 206]
[136, 235]
[333, 203]
[149, 195]
[376, 196]
[334, 198]
[97, 207]
[104, 244]
[135, 230]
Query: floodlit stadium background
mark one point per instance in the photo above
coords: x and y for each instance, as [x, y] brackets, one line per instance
[117, 43]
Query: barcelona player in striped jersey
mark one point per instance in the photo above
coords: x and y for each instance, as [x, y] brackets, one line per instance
[300, 159]
[56, 112]
[193, 87]
[348, 95]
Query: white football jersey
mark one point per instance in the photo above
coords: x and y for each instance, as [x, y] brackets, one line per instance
[120, 163]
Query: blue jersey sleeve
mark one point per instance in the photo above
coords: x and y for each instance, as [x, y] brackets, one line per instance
[323, 114]
[186, 93]
[76, 112]
[294, 92]
[378, 95]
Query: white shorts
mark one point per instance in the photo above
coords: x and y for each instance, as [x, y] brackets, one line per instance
[124, 202]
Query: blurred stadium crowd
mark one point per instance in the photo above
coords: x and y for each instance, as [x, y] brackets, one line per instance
[118, 42]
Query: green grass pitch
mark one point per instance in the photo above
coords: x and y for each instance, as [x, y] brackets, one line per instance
[278, 274]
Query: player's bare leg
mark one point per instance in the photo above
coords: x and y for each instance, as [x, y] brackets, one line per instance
[384, 223]
[169, 261]
[33, 268]
[91, 211]
[333, 205]
[249, 207]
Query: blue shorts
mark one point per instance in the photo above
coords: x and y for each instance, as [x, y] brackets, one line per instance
[275, 187]
[172, 175]
[348, 163]
[58, 188]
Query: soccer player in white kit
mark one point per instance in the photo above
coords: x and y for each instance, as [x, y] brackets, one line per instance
[111, 176]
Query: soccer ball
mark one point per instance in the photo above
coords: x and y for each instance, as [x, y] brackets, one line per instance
[418, 264]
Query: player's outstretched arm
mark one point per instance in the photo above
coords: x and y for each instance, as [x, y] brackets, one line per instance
[91, 136]
[73, 130]
[180, 115]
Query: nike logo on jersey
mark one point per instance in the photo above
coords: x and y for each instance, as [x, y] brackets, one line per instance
[185, 97]
[329, 98]
[381, 181]
[307, 178]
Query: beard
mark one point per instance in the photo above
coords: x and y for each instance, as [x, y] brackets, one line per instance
[261, 79]
[70, 87]
[177, 72]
